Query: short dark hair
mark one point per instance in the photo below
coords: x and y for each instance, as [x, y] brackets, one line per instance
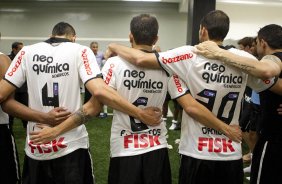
[217, 24]
[94, 42]
[272, 34]
[246, 41]
[144, 29]
[63, 28]
[15, 45]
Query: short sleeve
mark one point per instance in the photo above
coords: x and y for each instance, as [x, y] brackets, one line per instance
[88, 67]
[176, 87]
[16, 74]
[108, 72]
[260, 85]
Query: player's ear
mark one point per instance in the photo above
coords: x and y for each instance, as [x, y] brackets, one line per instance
[131, 39]
[155, 41]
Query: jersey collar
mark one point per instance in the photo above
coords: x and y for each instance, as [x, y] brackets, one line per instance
[56, 40]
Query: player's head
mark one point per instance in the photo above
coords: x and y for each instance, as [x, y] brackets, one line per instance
[16, 47]
[94, 46]
[144, 29]
[63, 29]
[269, 37]
[246, 44]
[214, 26]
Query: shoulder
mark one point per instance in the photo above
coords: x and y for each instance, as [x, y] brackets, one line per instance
[4, 63]
[272, 58]
[4, 58]
[241, 53]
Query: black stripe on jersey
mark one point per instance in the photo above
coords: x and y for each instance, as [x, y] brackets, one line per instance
[97, 76]
[56, 40]
[186, 92]
[279, 55]
[157, 56]
[11, 83]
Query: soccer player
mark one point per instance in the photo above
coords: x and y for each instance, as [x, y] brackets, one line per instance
[54, 70]
[208, 156]
[138, 152]
[267, 160]
[8, 151]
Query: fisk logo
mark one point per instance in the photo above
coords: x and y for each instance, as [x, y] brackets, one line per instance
[141, 141]
[53, 146]
[17, 64]
[177, 58]
[216, 145]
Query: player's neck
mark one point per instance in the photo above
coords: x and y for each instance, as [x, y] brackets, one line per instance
[143, 47]
[218, 42]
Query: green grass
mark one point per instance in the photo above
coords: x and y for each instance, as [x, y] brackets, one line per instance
[99, 133]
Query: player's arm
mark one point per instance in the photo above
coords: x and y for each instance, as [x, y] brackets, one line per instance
[16, 109]
[81, 116]
[135, 56]
[268, 67]
[200, 113]
[110, 97]
[277, 87]
[5, 88]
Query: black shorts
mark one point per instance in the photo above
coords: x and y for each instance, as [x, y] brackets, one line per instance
[151, 167]
[9, 169]
[196, 171]
[87, 95]
[74, 168]
[267, 161]
[250, 119]
[167, 97]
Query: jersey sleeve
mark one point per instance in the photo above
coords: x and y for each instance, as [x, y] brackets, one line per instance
[176, 87]
[88, 67]
[176, 60]
[260, 85]
[108, 72]
[16, 74]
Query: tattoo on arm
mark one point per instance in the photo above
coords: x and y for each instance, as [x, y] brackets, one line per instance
[246, 68]
[81, 117]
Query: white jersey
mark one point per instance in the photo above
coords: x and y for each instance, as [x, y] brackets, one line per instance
[4, 118]
[143, 88]
[54, 73]
[218, 87]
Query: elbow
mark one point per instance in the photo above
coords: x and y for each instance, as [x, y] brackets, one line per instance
[139, 62]
[98, 93]
[267, 74]
[191, 111]
[2, 98]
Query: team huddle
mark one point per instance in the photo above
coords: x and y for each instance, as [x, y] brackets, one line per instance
[208, 80]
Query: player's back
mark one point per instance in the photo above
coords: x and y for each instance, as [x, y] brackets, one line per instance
[219, 88]
[143, 88]
[54, 72]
